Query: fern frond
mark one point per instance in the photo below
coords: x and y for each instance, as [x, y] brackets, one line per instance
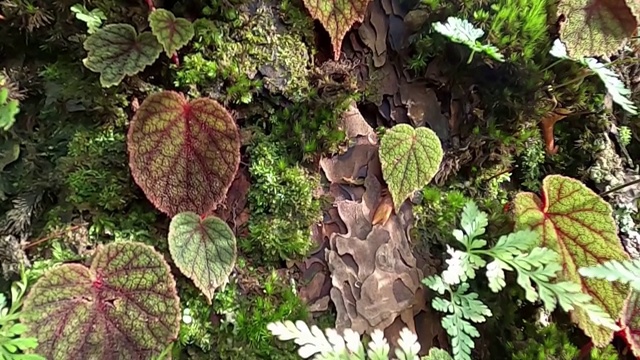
[463, 32]
[627, 272]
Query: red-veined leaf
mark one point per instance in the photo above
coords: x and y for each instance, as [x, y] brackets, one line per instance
[173, 33]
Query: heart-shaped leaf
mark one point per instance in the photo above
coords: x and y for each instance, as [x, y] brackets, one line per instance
[337, 17]
[410, 158]
[630, 321]
[203, 249]
[117, 50]
[172, 33]
[596, 27]
[184, 155]
[576, 223]
[124, 307]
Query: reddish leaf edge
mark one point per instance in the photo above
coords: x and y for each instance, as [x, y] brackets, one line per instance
[135, 169]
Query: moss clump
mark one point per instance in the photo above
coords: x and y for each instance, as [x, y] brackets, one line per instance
[239, 326]
[437, 215]
[96, 175]
[255, 49]
[282, 204]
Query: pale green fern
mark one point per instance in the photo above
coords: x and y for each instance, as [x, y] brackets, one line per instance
[331, 345]
[535, 266]
[627, 272]
[615, 87]
[463, 32]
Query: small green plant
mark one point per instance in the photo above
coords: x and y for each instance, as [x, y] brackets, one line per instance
[173, 33]
[410, 158]
[12, 339]
[513, 252]
[93, 18]
[8, 109]
[463, 32]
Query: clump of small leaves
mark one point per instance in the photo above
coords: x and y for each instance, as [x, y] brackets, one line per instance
[184, 155]
[513, 252]
[596, 27]
[203, 249]
[93, 18]
[9, 108]
[12, 339]
[337, 17]
[116, 51]
[348, 346]
[463, 32]
[615, 87]
[173, 33]
[410, 158]
[124, 306]
[575, 222]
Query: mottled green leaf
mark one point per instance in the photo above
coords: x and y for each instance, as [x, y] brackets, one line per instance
[337, 17]
[630, 321]
[123, 307]
[116, 51]
[203, 249]
[596, 27]
[576, 223]
[172, 33]
[184, 155]
[9, 108]
[410, 158]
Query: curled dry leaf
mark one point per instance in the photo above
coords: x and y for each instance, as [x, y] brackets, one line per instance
[384, 209]
[547, 123]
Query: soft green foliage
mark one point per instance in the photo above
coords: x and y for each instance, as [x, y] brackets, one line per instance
[513, 252]
[93, 18]
[462, 309]
[437, 213]
[531, 162]
[575, 222]
[552, 343]
[624, 135]
[116, 51]
[94, 170]
[200, 154]
[463, 32]
[410, 158]
[12, 339]
[204, 249]
[9, 108]
[626, 272]
[172, 33]
[331, 345]
[128, 284]
[519, 27]
[282, 204]
[615, 87]
[437, 354]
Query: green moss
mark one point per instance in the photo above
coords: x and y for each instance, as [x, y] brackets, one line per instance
[240, 330]
[436, 216]
[231, 54]
[95, 170]
[282, 204]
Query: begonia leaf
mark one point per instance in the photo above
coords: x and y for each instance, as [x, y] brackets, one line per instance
[184, 155]
[203, 249]
[337, 17]
[630, 321]
[576, 223]
[173, 33]
[124, 306]
[116, 51]
[410, 158]
[596, 27]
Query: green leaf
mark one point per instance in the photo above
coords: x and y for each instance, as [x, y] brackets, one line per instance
[410, 158]
[124, 306]
[596, 27]
[184, 155]
[8, 110]
[630, 321]
[92, 18]
[337, 17]
[203, 249]
[463, 32]
[438, 354]
[172, 33]
[575, 222]
[116, 51]
[627, 272]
